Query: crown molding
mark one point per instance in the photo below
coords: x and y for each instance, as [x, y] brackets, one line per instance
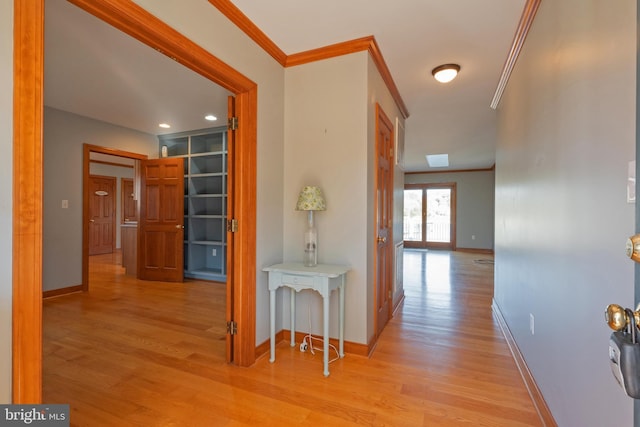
[344, 48]
[529, 12]
[236, 16]
[490, 169]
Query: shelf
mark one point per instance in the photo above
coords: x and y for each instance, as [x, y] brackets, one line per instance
[205, 204]
[207, 143]
[207, 165]
[211, 184]
[177, 146]
[208, 243]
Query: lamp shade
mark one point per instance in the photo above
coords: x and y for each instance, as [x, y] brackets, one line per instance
[311, 199]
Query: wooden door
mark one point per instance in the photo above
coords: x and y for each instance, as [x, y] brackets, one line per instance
[128, 203]
[102, 214]
[384, 219]
[161, 222]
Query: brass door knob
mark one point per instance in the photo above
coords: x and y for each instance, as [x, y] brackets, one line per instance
[633, 247]
[382, 239]
[617, 318]
[179, 226]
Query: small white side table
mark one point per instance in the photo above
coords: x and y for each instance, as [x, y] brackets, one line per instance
[323, 278]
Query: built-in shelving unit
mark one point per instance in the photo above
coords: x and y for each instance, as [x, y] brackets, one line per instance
[205, 199]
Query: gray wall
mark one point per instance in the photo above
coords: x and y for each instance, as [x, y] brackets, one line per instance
[566, 135]
[6, 194]
[64, 136]
[474, 205]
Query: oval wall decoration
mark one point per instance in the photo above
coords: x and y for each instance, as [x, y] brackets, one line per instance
[101, 193]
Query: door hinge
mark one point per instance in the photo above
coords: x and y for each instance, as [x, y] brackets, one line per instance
[232, 328]
[232, 225]
[233, 123]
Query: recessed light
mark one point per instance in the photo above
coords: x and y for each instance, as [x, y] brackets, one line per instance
[438, 160]
[164, 125]
[210, 117]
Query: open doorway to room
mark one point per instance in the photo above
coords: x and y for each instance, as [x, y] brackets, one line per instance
[28, 206]
[430, 216]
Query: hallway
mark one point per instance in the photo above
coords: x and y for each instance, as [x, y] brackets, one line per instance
[132, 353]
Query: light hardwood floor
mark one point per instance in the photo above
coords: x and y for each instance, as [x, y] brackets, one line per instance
[132, 353]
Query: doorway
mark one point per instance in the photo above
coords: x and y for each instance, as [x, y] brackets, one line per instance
[28, 166]
[430, 216]
[383, 221]
[102, 208]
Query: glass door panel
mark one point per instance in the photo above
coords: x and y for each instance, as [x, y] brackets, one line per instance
[429, 216]
[413, 214]
[438, 215]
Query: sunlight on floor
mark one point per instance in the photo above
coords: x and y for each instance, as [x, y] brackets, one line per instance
[438, 276]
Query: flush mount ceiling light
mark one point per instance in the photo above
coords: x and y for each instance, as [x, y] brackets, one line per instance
[445, 73]
[164, 125]
[210, 117]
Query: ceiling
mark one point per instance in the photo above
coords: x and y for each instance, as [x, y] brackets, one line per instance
[93, 70]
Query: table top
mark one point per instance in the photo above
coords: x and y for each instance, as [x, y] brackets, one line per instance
[328, 270]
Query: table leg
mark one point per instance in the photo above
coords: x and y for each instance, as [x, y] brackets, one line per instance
[293, 317]
[325, 320]
[272, 325]
[341, 317]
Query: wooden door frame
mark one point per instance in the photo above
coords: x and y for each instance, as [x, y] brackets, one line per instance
[28, 82]
[380, 114]
[87, 149]
[114, 210]
[453, 239]
[123, 198]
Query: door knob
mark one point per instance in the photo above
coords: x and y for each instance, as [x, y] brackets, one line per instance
[618, 319]
[382, 239]
[633, 247]
[179, 226]
[92, 220]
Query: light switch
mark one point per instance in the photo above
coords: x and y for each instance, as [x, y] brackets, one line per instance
[65, 204]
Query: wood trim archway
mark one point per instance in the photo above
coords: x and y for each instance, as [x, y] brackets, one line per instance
[86, 170]
[28, 166]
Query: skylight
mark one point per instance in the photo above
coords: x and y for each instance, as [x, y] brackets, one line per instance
[438, 160]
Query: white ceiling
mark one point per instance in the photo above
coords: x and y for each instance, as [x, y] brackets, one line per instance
[93, 70]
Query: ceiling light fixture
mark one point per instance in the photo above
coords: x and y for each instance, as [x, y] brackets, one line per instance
[445, 73]
[210, 117]
[164, 125]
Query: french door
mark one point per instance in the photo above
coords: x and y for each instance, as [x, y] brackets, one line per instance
[430, 216]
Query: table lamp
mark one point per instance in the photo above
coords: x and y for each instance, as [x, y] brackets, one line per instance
[310, 200]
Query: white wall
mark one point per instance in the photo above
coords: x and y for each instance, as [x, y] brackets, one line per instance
[326, 145]
[64, 136]
[566, 135]
[6, 195]
[207, 27]
[474, 205]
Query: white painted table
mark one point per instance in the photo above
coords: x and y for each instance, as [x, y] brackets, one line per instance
[323, 278]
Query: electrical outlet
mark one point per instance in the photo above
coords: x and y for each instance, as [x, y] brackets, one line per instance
[214, 252]
[65, 204]
[532, 321]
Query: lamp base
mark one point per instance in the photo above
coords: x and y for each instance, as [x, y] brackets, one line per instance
[310, 258]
